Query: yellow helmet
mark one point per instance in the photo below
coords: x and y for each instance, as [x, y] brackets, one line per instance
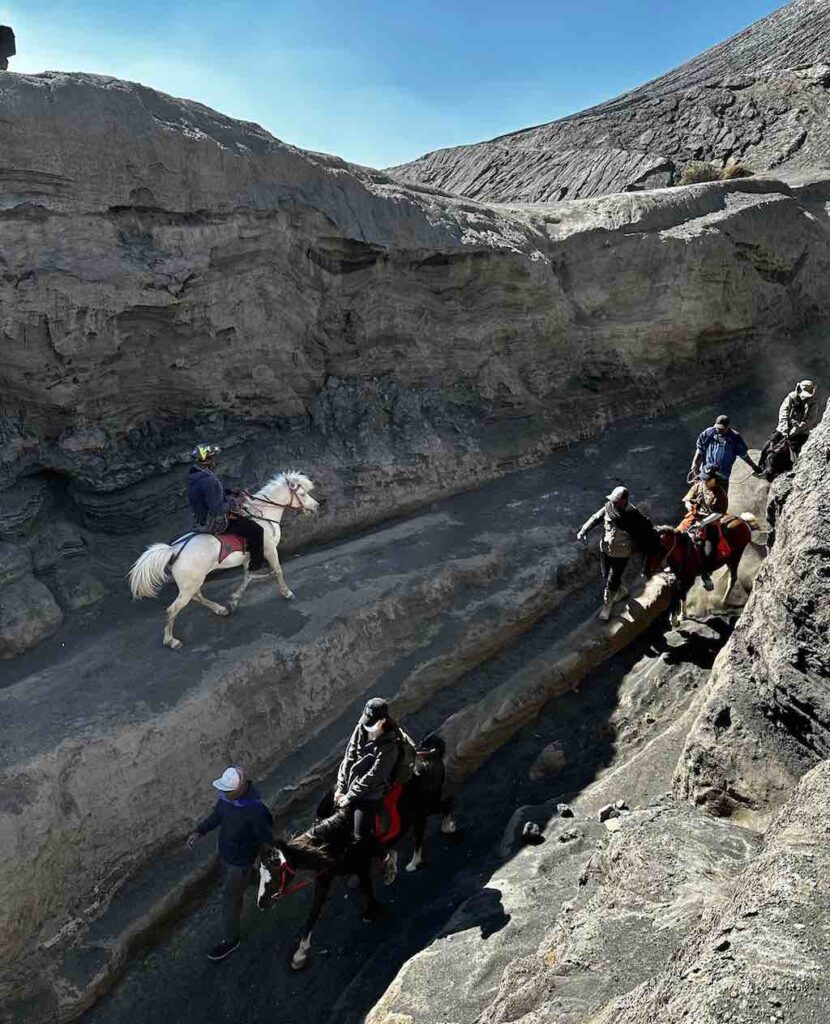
[204, 452]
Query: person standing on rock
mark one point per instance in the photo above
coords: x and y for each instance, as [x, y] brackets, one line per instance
[705, 501]
[213, 506]
[625, 529]
[719, 446]
[796, 418]
[244, 824]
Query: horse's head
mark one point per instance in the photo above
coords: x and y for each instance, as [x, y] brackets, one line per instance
[273, 865]
[660, 557]
[291, 490]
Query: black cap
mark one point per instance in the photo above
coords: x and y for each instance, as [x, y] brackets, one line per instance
[376, 709]
[722, 421]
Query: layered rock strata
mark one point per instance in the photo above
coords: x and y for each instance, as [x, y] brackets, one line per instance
[761, 99]
[169, 274]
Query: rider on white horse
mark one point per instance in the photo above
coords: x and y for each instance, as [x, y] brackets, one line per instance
[212, 504]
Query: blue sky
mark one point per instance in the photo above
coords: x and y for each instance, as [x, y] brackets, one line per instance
[377, 82]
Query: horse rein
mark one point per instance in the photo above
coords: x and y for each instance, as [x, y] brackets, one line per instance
[286, 872]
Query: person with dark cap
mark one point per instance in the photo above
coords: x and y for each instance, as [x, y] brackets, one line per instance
[625, 529]
[368, 766]
[718, 447]
[244, 824]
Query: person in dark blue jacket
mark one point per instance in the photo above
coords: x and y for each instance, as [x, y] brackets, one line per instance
[244, 824]
[212, 504]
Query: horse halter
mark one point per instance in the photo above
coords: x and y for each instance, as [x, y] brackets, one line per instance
[669, 552]
[279, 504]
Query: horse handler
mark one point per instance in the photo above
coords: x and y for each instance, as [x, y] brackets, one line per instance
[625, 529]
[244, 823]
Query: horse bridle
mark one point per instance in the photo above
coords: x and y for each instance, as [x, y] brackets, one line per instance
[299, 507]
[669, 551]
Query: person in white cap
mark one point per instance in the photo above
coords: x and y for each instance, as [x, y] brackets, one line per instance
[244, 824]
[796, 418]
[625, 528]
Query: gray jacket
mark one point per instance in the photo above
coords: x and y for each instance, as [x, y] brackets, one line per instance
[615, 542]
[366, 770]
[797, 415]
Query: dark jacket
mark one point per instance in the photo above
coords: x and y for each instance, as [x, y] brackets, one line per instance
[366, 769]
[206, 495]
[243, 824]
[624, 530]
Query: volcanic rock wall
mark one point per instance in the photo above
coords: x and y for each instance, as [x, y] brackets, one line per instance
[761, 98]
[169, 274]
[667, 911]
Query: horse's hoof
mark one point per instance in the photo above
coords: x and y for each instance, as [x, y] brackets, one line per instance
[232, 607]
[289, 595]
[414, 866]
[174, 644]
[223, 611]
[299, 965]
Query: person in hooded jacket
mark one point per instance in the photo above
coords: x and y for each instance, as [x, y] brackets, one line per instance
[367, 768]
[244, 824]
[625, 529]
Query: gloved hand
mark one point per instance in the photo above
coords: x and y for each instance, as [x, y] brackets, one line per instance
[341, 800]
[691, 476]
[581, 536]
[192, 839]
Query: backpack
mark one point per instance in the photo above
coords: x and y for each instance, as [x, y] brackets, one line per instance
[407, 755]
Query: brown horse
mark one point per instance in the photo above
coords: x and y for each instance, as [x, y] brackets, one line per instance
[679, 554]
[326, 851]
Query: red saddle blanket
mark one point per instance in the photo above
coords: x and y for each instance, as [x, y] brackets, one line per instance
[229, 544]
[723, 548]
[388, 820]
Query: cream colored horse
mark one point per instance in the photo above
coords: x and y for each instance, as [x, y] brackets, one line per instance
[193, 557]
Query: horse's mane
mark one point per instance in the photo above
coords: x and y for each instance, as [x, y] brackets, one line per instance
[325, 840]
[288, 476]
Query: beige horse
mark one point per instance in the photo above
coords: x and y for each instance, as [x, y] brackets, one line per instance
[189, 559]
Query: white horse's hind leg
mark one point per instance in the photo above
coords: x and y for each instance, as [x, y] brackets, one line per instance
[182, 601]
[217, 609]
[237, 595]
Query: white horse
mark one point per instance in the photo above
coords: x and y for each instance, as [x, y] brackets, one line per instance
[193, 557]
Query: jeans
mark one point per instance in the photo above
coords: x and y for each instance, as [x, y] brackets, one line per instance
[233, 893]
[612, 571]
[364, 818]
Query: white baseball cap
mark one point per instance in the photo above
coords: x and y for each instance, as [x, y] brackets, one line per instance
[231, 779]
[617, 494]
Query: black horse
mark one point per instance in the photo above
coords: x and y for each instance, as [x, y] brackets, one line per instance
[327, 849]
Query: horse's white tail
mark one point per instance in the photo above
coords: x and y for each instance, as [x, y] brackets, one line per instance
[149, 574]
[750, 520]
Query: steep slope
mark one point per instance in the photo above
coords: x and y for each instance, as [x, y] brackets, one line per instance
[762, 98]
[170, 274]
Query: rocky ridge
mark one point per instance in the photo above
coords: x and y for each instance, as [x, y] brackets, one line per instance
[169, 274]
[761, 98]
[647, 914]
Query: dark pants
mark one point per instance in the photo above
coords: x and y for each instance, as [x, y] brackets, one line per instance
[252, 532]
[710, 540]
[233, 893]
[365, 812]
[612, 571]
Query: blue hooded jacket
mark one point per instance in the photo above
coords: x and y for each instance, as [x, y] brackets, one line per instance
[243, 824]
[206, 494]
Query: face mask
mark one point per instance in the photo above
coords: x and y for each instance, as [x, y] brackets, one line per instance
[376, 729]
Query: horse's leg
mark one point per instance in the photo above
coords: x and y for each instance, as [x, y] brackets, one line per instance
[236, 596]
[217, 609]
[372, 907]
[273, 558]
[733, 575]
[419, 827]
[449, 826]
[390, 866]
[321, 889]
[186, 592]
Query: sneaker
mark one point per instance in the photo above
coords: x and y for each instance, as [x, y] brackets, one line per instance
[707, 582]
[223, 949]
[260, 574]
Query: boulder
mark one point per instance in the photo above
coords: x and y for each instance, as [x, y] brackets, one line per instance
[7, 46]
[28, 614]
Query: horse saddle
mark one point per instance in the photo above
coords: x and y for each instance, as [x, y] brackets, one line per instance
[722, 548]
[388, 819]
[230, 544]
